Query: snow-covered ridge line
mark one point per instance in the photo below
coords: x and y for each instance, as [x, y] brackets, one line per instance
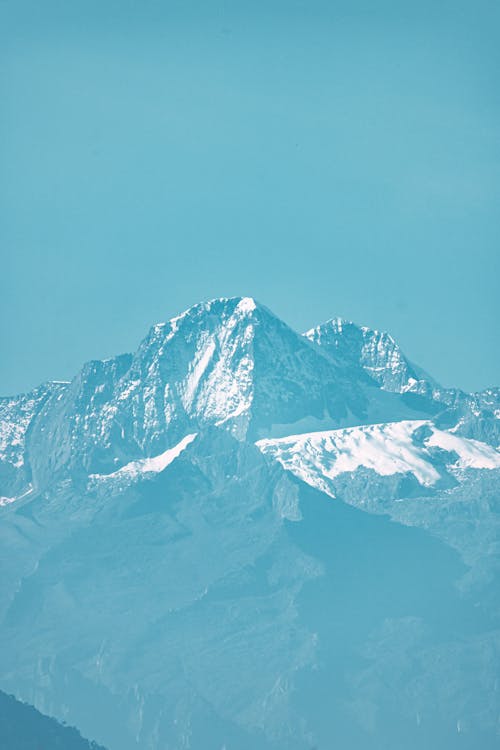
[409, 446]
[152, 465]
[339, 323]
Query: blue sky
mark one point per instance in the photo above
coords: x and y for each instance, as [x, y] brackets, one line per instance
[327, 158]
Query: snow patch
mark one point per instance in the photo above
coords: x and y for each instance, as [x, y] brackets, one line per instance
[393, 448]
[200, 366]
[153, 465]
[7, 500]
[472, 453]
[246, 304]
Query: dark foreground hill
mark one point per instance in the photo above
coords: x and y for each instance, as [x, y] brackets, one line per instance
[22, 727]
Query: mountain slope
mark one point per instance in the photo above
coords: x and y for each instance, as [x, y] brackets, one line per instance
[170, 570]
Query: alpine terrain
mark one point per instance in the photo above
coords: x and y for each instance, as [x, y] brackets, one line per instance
[240, 537]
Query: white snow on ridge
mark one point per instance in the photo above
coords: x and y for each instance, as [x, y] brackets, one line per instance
[473, 454]
[319, 457]
[153, 465]
[7, 500]
[246, 304]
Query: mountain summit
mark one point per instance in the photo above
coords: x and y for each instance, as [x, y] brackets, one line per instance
[241, 536]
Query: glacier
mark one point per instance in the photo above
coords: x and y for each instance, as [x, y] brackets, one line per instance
[241, 536]
[406, 447]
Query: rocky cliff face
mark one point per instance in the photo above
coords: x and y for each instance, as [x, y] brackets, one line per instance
[17, 414]
[195, 549]
[374, 352]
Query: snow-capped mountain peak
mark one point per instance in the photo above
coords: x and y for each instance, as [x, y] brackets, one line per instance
[230, 363]
[376, 352]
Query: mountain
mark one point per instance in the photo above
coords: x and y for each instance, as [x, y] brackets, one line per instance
[376, 353]
[229, 363]
[24, 728]
[240, 536]
[373, 352]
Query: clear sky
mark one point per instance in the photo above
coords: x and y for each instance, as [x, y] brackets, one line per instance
[328, 158]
